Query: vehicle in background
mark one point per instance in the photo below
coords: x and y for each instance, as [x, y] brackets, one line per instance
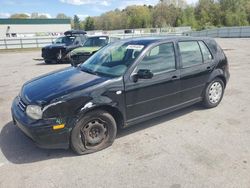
[57, 52]
[90, 46]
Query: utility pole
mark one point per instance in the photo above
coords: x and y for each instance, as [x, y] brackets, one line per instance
[161, 8]
[8, 31]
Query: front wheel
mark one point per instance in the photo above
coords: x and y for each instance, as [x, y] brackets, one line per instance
[93, 132]
[50, 62]
[214, 93]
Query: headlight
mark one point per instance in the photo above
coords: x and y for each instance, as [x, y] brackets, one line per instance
[34, 111]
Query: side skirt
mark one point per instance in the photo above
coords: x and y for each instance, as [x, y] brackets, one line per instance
[161, 112]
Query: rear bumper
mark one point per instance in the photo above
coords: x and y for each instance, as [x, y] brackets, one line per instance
[227, 75]
[40, 131]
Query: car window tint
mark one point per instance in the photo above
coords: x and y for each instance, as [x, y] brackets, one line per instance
[77, 40]
[159, 59]
[96, 42]
[114, 59]
[154, 51]
[190, 53]
[83, 39]
[68, 40]
[118, 55]
[207, 56]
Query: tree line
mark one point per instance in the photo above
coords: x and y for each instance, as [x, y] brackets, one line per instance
[166, 13]
[36, 15]
[173, 13]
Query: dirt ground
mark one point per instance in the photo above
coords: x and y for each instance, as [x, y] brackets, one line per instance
[193, 147]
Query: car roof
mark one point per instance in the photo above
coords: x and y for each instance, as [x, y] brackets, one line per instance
[150, 40]
[75, 32]
[94, 36]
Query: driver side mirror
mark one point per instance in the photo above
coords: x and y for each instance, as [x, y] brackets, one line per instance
[143, 74]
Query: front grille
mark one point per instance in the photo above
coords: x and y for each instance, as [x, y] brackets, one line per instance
[53, 53]
[22, 105]
[81, 57]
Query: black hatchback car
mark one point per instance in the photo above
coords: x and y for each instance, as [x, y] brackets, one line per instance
[124, 83]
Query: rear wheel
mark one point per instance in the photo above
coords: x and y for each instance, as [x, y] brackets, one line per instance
[93, 132]
[214, 93]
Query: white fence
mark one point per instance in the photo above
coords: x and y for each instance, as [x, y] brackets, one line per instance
[29, 42]
[38, 42]
[224, 32]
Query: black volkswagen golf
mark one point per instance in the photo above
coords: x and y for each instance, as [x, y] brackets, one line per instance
[124, 83]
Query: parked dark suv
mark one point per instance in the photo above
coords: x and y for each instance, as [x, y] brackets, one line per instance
[58, 51]
[124, 83]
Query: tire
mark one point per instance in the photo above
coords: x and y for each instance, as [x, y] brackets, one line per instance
[213, 93]
[93, 132]
[47, 62]
[50, 62]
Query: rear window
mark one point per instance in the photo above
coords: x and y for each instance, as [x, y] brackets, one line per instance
[67, 40]
[213, 46]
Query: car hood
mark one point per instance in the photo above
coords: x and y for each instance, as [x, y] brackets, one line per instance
[51, 86]
[84, 50]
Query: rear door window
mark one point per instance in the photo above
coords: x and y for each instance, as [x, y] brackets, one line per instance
[190, 53]
[159, 59]
[207, 56]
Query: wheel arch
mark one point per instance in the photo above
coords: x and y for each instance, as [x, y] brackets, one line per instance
[116, 113]
[217, 73]
[222, 77]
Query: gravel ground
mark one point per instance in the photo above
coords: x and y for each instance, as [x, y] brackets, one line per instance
[192, 147]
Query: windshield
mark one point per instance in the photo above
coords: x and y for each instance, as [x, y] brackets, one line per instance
[96, 42]
[68, 40]
[114, 59]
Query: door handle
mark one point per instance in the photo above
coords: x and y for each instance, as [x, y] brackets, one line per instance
[175, 77]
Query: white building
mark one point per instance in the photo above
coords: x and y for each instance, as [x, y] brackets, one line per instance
[33, 27]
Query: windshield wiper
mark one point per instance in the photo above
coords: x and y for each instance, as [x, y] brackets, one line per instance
[88, 71]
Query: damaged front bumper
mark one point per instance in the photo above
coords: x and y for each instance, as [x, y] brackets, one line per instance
[41, 131]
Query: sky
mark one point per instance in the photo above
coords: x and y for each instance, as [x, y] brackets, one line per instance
[82, 8]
